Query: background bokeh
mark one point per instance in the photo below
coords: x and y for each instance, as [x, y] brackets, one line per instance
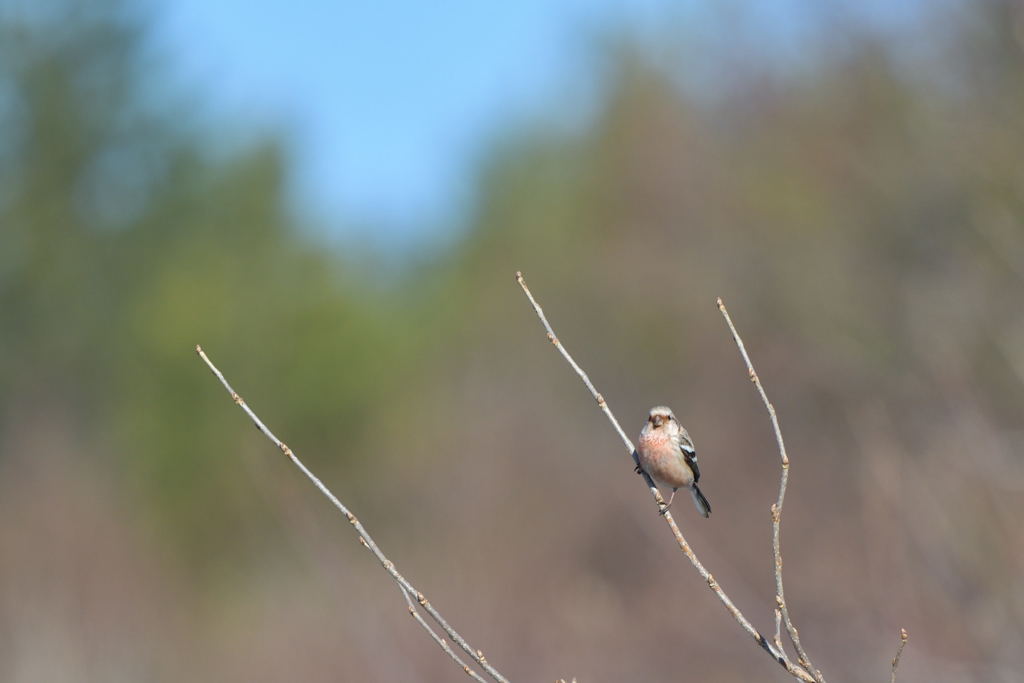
[855, 196]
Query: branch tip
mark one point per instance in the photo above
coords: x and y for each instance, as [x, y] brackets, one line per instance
[899, 653]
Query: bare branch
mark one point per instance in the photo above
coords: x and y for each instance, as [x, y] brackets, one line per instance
[777, 654]
[776, 509]
[409, 592]
[899, 651]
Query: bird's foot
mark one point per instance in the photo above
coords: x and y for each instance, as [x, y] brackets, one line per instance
[663, 508]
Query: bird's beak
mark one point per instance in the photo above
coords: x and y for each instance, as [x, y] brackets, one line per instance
[657, 420]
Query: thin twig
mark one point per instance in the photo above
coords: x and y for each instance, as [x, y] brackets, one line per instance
[409, 592]
[776, 654]
[776, 509]
[778, 629]
[899, 651]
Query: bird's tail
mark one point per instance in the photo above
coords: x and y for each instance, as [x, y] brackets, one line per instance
[703, 506]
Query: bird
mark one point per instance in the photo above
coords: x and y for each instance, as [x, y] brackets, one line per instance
[666, 453]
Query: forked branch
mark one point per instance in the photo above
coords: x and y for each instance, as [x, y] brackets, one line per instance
[409, 592]
[800, 671]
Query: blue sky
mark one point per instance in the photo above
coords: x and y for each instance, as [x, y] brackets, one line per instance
[388, 105]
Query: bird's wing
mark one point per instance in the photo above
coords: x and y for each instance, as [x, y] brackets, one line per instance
[689, 455]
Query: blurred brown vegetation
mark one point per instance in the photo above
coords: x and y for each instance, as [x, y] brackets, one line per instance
[861, 217]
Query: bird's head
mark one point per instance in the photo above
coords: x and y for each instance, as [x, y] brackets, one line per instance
[660, 416]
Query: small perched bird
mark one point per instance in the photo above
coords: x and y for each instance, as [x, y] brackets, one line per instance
[666, 453]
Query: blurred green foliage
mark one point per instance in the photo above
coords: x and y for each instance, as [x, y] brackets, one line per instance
[127, 239]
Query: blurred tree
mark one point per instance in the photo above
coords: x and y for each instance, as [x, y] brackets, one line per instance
[127, 238]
